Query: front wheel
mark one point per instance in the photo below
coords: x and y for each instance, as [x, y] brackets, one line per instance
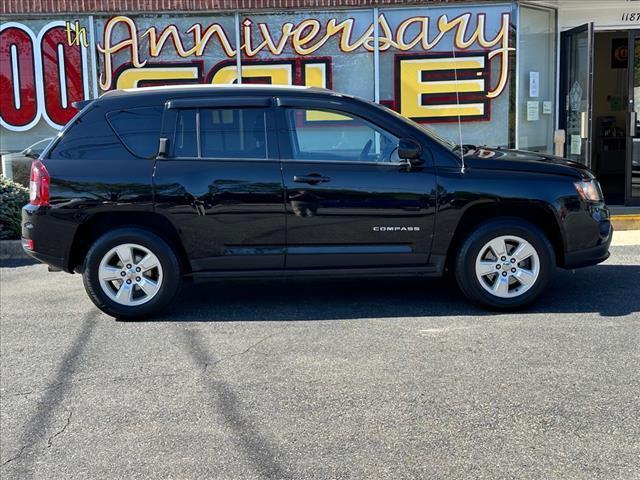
[131, 273]
[504, 264]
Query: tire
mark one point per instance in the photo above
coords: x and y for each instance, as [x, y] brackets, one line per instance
[149, 284]
[476, 262]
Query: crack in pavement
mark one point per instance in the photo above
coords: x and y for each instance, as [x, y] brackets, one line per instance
[256, 444]
[60, 432]
[54, 395]
[115, 379]
[15, 456]
[250, 347]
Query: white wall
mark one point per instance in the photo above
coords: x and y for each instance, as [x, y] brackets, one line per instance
[606, 14]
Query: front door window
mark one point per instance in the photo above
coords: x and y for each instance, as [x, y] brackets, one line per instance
[328, 136]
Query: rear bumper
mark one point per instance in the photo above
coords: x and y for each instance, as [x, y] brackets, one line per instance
[51, 237]
[55, 262]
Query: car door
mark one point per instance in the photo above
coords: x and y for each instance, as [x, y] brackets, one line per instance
[221, 184]
[350, 200]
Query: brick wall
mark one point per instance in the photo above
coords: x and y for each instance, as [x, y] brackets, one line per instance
[101, 6]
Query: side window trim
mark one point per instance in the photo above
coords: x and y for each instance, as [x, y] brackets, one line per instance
[198, 135]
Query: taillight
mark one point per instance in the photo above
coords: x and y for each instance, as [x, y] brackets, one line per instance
[39, 185]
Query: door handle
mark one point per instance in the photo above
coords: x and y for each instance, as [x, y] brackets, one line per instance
[311, 179]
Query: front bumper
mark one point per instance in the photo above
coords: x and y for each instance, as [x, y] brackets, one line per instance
[585, 258]
[599, 252]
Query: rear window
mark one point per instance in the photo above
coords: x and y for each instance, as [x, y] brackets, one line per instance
[138, 129]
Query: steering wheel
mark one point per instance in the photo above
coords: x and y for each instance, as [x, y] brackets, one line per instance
[366, 149]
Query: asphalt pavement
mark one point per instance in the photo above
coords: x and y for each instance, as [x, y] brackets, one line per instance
[320, 379]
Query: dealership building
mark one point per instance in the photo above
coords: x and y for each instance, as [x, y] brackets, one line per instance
[547, 76]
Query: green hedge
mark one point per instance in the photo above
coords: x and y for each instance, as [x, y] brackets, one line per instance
[13, 197]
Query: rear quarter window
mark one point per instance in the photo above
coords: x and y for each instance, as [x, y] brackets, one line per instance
[138, 129]
[89, 137]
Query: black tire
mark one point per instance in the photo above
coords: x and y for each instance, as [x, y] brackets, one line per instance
[465, 262]
[171, 273]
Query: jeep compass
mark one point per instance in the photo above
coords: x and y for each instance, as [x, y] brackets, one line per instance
[146, 187]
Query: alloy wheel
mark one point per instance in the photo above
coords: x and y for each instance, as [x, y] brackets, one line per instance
[507, 266]
[130, 274]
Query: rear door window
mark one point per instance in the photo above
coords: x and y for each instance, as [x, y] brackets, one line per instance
[138, 129]
[185, 138]
[234, 133]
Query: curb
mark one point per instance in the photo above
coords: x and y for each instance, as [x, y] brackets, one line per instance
[12, 250]
[625, 238]
[625, 222]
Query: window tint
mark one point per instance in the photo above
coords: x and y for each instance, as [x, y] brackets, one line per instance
[233, 133]
[185, 142]
[139, 129]
[321, 135]
[90, 138]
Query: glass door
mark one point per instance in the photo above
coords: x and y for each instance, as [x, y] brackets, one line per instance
[632, 190]
[576, 63]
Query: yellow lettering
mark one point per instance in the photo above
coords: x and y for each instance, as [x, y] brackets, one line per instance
[277, 74]
[108, 50]
[413, 87]
[131, 77]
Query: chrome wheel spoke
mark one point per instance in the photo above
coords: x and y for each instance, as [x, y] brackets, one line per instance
[524, 251]
[149, 287]
[485, 267]
[501, 286]
[124, 254]
[125, 293]
[149, 262]
[525, 277]
[498, 246]
[108, 273]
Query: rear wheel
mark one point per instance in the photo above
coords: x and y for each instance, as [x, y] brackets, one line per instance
[131, 273]
[505, 263]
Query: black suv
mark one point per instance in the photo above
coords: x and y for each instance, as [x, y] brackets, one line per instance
[145, 187]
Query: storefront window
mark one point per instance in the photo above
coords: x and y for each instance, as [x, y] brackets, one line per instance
[329, 49]
[425, 52]
[536, 79]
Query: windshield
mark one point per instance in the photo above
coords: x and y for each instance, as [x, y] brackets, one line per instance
[449, 145]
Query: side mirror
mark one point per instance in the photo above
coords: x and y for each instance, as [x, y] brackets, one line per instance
[163, 147]
[410, 150]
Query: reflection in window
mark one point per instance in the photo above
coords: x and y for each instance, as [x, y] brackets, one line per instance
[233, 133]
[185, 139]
[321, 135]
[139, 129]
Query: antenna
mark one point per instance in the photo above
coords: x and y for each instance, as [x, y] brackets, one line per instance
[455, 75]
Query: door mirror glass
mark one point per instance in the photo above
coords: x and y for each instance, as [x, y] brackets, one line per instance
[409, 149]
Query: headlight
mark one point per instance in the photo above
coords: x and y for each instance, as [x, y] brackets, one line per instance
[589, 190]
